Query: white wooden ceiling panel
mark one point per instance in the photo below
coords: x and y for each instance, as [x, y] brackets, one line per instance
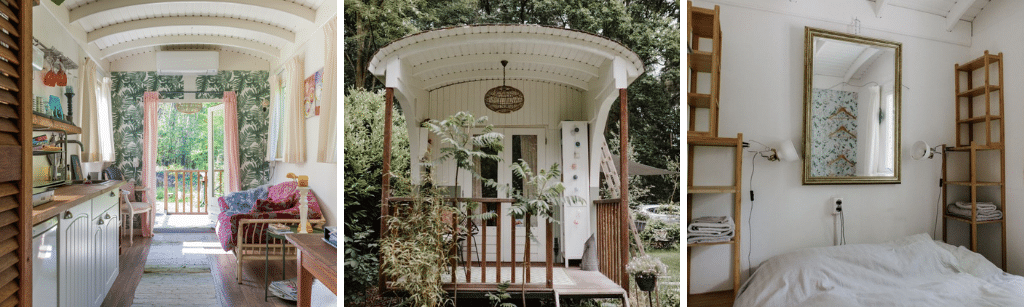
[940, 7]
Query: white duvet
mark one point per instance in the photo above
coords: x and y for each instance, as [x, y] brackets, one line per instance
[911, 271]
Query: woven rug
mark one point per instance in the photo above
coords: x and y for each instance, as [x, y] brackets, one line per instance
[177, 271]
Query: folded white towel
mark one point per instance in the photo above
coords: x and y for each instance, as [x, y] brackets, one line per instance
[982, 206]
[709, 239]
[983, 215]
[712, 223]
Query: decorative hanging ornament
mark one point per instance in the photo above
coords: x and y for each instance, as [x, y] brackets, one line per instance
[504, 99]
[188, 108]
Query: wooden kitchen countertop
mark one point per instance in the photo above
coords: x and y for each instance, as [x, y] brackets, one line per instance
[68, 196]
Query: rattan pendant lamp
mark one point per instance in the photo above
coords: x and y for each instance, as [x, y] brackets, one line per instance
[504, 99]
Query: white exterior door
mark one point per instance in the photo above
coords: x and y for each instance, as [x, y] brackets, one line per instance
[214, 117]
[519, 143]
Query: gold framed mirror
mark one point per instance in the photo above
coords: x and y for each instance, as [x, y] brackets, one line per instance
[852, 88]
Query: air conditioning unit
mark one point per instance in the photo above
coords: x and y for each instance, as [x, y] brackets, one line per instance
[187, 62]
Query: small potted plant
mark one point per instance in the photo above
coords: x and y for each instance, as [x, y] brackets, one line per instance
[645, 270]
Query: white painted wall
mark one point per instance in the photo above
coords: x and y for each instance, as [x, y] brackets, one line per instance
[997, 30]
[228, 61]
[762, 97]
[546, 105]
[323, 177]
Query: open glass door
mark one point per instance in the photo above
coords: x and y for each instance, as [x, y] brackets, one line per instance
[215, 153]
[519, 143]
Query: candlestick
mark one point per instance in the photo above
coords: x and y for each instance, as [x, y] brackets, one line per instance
[303, 210]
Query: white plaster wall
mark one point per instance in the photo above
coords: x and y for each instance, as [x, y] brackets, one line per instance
[762, 97]
[323, 177]
[997, 30]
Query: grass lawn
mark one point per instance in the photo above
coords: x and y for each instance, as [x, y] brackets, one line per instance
[671, 260]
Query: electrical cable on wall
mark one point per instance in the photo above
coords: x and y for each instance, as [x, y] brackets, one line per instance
[753, 166]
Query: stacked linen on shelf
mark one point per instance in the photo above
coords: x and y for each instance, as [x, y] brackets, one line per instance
[710, 229]
[987, 211]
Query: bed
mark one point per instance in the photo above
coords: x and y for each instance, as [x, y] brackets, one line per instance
[910, 271]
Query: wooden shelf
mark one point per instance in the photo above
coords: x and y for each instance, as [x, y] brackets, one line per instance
[971, 140]
[978, 91]
[712, 243]
[967, 220]
[710, 189]
[700, 61]
[698, 100]
[977, 184]
[713, 141]
[980, 62]
[42, 122]
[711, 299]
[979, 119]
[993, 146]
[703, 21]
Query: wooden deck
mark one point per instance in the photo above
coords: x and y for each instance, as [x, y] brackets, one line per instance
[568, 282]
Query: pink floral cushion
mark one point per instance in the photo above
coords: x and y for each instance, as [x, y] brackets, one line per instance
[227, 225]
[266, 205]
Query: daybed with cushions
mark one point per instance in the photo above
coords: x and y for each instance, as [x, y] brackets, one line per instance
[251, 211]
[911, 271]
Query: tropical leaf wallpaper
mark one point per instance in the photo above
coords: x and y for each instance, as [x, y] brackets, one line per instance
[826, 146]
[250, 86]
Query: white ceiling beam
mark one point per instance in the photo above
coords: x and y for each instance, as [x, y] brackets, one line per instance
[493, 74]
[107, 5]
[512, 58]
[956, 12]
[189, 21]
[267, 50]
[879, 7]
[864, 56]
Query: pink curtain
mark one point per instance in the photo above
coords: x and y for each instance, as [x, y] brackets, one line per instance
[231, 142]
[149, 119]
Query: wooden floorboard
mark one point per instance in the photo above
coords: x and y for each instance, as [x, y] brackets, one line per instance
[250, 291]
[132, 261]
[230, 293]
[711, 299]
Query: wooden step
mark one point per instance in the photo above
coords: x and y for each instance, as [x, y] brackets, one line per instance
[711, 299]
[699, 61]
[966, 220]
[713, 141]
[730, 242]
[698, 100]
[979, 62]
[993, 146]
[710, 189]
[703, 21]
[979, 119]
[978, 91]
[976, 184]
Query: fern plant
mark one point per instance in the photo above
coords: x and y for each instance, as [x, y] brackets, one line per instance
[541, 192]
[460, 144]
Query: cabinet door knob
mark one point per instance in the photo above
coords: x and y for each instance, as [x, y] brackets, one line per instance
[111, 193]
[100, 222]
[67, 215]
[106, 216]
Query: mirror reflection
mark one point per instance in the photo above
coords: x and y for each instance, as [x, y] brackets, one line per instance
[852, 109]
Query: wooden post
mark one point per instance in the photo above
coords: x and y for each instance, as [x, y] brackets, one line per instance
[549, 248]
[389, 97]
[623, 181]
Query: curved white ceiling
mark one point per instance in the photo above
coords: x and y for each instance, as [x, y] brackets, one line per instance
[261, 28]
[442, 57]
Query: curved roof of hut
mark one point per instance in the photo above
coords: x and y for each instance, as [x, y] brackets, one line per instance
[441, 57]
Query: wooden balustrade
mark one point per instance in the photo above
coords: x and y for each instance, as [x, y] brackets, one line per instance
[471, 240]
[188, 193]
[612, 241]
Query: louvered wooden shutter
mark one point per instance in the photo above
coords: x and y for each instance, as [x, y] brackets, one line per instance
[15, 152]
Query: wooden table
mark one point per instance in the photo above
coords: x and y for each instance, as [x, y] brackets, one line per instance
[316, 259]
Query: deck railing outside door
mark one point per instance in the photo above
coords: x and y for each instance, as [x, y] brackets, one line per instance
[185, 191]
[612, 240]
[476, 244]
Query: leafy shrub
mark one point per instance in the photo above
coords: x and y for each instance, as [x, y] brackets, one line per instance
[648, 234]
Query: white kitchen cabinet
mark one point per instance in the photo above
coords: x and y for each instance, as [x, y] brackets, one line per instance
[105, 257]
[88, 256]
[75, 256]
